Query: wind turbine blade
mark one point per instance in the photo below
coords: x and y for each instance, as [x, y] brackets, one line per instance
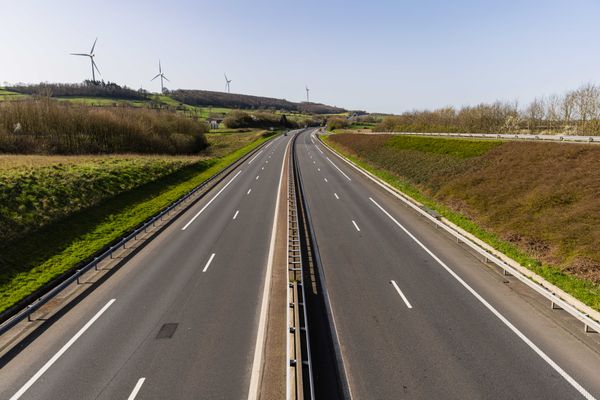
[165, 78]
[157, 75]
[225, 75]
[95, 66]
[79, 54]
[159, 68]
[94, 45]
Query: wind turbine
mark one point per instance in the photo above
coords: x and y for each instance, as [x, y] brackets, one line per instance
[307, 90]
[227, 82]
[162, 76]
[91, 55]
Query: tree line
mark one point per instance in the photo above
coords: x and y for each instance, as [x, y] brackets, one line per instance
[575, 112]
[85, 89]
[205, 98]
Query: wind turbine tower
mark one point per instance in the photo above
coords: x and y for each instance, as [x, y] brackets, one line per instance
[162, 76]
[227, 82]
[307, 98]
[91, 55]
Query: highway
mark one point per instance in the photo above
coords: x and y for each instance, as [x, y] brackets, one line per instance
[417, 316]
[180, 320]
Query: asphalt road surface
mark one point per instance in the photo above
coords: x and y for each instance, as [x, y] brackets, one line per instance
[180, 319]
[420, 318]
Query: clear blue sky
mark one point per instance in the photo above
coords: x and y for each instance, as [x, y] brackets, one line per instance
[387, 56]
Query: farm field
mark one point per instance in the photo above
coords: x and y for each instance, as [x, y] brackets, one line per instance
[536, 202]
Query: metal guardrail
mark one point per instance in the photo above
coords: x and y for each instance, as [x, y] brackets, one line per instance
[345, 392]
[26, 312]
[298, 339]
[590, 325]
[541, 138]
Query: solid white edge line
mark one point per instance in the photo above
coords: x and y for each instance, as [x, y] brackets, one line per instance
[136, 389]
[254, 158]
[393, 282]
[210, 201]
[60, 352]
[208, 262]
[236, 214]
[338, 168]
[491, 308]
[356, 226]
[336, 196]
[255, 376]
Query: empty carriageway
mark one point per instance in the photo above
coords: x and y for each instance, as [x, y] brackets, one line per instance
[419, 317]
[180, 319]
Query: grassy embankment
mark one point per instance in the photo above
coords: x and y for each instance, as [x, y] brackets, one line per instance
[538, 203]
[74, 230]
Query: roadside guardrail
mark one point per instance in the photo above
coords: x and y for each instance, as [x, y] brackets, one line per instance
[108, 251]
[527, 137]
[533, 281]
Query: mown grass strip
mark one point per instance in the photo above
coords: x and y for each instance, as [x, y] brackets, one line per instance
[585, 291]
[57, 248]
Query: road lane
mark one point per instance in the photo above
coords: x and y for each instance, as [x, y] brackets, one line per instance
[449, 345]
[211, 314]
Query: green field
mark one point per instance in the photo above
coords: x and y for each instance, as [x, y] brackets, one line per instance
[535, 202]
[70, 207]
[8, 95]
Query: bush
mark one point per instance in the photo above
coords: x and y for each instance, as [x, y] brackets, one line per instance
[265, 120]
[334, 123]
[47, 126]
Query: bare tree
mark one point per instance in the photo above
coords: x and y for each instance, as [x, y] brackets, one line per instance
[535, 113]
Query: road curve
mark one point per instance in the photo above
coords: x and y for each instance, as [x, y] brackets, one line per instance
[420, 318]
[180, 319]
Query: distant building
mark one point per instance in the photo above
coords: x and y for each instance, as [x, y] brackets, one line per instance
[213, 123]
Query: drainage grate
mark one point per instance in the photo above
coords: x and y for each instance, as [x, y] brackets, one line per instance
[167, 331]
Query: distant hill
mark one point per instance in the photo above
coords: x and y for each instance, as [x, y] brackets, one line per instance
[205, 98]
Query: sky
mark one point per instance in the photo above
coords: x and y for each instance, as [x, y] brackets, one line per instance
[379, 56]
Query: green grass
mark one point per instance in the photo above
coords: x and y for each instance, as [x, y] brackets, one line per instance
[584, 290]
[103, 101]
[8, 95]
[457, 148]
[59, 247]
